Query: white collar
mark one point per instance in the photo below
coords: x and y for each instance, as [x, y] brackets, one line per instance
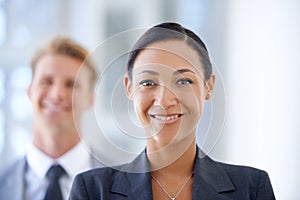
[74, 161]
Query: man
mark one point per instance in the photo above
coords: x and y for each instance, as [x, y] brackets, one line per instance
[63, 79]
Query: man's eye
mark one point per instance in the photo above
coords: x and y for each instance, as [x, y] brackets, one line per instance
[147, 83]
[72, 84]
[46, 81]
[184, 81]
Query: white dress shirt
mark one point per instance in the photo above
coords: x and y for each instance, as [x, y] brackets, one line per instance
[74, 161]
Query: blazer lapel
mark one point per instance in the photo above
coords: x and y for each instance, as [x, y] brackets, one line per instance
[132, 186]
[133, 181]
[210, 179]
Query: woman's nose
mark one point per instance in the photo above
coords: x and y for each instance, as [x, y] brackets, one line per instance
[165, 98]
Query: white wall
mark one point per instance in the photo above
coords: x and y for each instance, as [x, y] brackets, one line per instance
[262, 126]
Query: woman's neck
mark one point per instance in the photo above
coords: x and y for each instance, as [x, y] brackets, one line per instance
[176, 160]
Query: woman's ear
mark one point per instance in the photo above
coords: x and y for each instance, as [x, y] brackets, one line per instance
[28, 91]
[91, 100]
[210, 86]
[128, 87]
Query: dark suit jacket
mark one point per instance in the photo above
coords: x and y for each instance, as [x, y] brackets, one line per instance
[212, 181]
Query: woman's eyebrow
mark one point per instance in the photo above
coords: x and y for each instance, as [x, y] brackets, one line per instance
[149, 72]
[181, 71]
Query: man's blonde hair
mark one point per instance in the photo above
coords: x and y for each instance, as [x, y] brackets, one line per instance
[66, 46]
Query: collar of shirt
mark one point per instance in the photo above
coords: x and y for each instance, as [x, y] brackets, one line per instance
[74, 161]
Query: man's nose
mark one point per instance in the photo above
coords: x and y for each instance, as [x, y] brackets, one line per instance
[58, 92]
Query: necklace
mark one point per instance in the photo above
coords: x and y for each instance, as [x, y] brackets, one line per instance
[179, 191]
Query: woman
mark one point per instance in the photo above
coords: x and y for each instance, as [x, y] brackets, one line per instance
[169, 76]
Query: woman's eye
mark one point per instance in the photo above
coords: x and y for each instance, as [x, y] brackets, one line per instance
[184, 81]
[147, 83]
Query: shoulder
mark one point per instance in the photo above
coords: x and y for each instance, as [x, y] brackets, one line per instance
[11, 180]
[233, 171]
[248, 180]
[102, 174]
[94, 183]
[243, 173]
[240, 169]
[14, 168]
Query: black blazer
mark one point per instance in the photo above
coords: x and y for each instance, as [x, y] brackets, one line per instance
[212, 181]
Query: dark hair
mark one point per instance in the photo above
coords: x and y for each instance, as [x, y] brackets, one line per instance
[170, 31]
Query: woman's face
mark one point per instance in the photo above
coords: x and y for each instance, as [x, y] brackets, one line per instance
[168, 90]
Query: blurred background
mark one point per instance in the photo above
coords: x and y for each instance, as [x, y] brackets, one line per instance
[254, 45]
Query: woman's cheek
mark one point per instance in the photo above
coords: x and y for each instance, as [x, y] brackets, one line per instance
[142, 105]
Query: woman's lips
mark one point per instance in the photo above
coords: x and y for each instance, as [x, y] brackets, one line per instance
[166, 119]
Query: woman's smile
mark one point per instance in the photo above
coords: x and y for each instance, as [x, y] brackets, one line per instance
[166, 119]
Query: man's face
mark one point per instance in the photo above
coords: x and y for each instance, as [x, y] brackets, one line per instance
[58, 92]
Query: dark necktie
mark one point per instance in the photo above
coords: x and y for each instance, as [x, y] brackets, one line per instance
[53, 191]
